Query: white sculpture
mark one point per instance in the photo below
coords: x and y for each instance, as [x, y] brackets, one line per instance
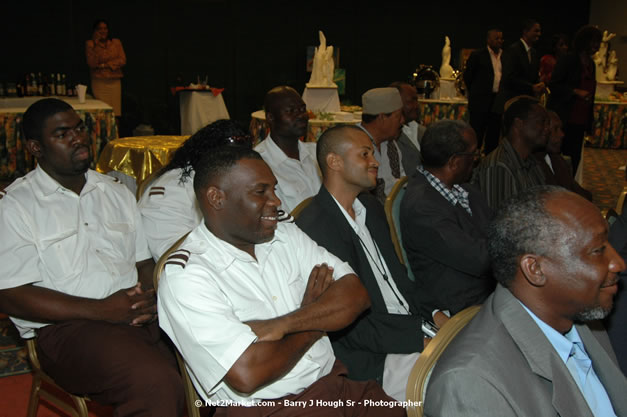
[604, 60]
[612, 66]
[323, 65]
[446, 71]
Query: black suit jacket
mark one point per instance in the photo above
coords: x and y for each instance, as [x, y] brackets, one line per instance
[446, 247]
[479, 78]
[518, 74]
[363, 345]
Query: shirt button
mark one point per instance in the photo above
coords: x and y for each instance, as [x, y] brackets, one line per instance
[274, 298]
[86, 224]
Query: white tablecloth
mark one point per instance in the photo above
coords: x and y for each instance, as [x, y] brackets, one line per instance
[20, 104]
[200, 108]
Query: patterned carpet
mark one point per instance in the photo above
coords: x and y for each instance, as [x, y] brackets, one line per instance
[13, 356]
[602, 175]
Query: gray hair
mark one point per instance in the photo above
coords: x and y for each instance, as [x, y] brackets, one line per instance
[442, 140]
[524, 226]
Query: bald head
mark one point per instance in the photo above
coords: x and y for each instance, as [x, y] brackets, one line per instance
[286, 114]
[334, 140]
[276, 95]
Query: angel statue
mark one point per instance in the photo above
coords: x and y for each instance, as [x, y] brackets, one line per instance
[446, 71]
[323, 65]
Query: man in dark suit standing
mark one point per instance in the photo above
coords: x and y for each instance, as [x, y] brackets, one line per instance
[521, 67]
[482, 77]
[384, 342]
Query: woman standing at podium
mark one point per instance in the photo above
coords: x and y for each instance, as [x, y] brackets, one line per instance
[106, 58]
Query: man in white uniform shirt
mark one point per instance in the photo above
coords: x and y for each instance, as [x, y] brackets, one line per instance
[75, 271]
[385, 341]
[248, 301]
[292, 161]
[382, 119]
[168, 206]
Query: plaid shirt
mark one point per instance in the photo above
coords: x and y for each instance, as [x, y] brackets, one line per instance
[457, 195]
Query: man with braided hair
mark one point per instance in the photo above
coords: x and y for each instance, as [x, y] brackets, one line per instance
[168, 207]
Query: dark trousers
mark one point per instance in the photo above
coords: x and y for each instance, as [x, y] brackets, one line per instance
[129, 368]
[329, 396]
[572, 143]
[487, 126]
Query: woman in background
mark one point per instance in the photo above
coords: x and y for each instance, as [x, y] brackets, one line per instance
[573, 86]
[106, 58]
[559, 48]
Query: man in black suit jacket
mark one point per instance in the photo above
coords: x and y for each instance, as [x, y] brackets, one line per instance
[482, 77]
[355, 230]
[444, 221]
[521, 67]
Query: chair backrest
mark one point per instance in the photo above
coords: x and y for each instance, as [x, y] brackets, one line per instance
[621, 201]
[421, 372]
[191, 396]
[141, 186]
[392, 214]
[300, 207]
[611, 216]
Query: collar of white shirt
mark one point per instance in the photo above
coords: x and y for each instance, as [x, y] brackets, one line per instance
[47, 185]
[527, 47]
[277, 154]
[225, 253]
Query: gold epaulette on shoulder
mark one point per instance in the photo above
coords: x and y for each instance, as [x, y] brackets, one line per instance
[178, 257]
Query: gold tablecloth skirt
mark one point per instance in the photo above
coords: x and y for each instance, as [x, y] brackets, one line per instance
[138, 156]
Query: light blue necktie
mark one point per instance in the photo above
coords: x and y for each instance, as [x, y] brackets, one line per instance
[580, 365]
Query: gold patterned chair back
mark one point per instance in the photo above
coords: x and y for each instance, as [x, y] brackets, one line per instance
[421, 372]
[191, 396]
[392, 214]
[300, 207]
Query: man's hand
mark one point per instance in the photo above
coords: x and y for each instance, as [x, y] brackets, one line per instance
[320, 279]
[131, 306]
[267, 330]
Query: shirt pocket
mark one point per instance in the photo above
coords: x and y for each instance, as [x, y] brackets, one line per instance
[62, 255]
[119, 239]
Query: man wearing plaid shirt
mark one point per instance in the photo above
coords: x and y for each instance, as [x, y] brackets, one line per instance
[444, 221]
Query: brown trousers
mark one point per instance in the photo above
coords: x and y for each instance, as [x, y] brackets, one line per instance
[333, 395]
[129, 368]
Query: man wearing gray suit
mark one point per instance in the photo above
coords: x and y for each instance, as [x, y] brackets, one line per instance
[527, 352]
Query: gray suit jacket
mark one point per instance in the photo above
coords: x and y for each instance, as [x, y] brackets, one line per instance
[501, 365]
[410, 155]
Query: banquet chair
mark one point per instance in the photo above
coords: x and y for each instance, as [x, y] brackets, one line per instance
[141, 187]
[421, 372]
[300, 207]
[392, 214]
[611, 216]
[191, 396]
[38, 390]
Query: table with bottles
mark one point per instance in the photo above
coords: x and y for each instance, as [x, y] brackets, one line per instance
[15, 160]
